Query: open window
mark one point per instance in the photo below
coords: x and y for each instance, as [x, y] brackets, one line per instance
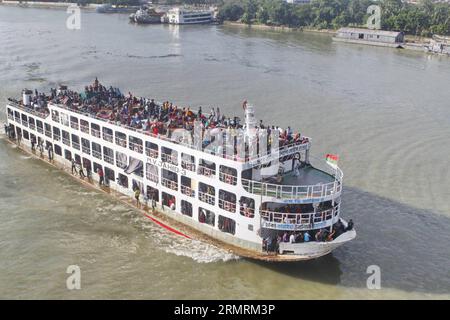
[227, 201]
[206, 216]
[206, 193]
[226, 225]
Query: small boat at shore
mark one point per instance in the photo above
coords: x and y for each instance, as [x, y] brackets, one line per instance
[146, 16]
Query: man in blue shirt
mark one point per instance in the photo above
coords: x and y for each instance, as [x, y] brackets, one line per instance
[306, 237]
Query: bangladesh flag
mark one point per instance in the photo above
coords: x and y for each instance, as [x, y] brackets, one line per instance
[332, 160]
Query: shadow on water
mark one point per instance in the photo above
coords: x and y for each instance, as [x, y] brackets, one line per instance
[325, 270]
[410, 245]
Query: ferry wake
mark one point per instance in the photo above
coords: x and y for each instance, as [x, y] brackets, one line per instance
[248, 187]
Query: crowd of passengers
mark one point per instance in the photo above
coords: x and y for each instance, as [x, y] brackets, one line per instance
[142, 113]
[272, 243]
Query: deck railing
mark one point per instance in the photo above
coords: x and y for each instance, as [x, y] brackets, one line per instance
[66, 141]
[228, 178]
[75, 145]
[152, 177]
[283, 149]
[56, 137]
[247, 212]
[169, 184]
[152, 153]
[280, 191]
[25, 123]
[84, 128]
[121, 164]
[48, 133]
[169, 158]
[205, 197]
[40, 129]
[187, 191]
[97, 154]
[74, 125]
[135, 147]
[188, 165]
[121, 142]
[227, 206]
[108, 137]
[32, 126]
[86, 149]
[95, 133]
[108, 158]
[208, 172]
[28, 109]
[297, 221]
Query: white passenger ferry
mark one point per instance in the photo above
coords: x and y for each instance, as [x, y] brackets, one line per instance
[250, 187]
[187, 16]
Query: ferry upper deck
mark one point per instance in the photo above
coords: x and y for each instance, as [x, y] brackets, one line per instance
[278, 165]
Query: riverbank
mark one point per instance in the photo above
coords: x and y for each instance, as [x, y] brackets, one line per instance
[48, 5]
[278, 28]
[413, 43]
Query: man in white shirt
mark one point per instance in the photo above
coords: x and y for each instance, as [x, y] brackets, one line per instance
[292, 238]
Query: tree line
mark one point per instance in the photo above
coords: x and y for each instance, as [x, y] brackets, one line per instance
[424, 19]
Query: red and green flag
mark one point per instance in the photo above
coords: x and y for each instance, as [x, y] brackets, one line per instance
[332, 160]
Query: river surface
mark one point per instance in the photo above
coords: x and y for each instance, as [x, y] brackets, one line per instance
[386, 113]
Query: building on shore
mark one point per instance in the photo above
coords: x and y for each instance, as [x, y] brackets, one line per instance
[371, 37]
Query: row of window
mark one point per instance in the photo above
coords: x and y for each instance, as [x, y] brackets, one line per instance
[206, 216]
[224, 224]
[169, 179]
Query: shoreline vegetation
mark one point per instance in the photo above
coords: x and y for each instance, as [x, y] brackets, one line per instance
[319, 16]
[423, 19]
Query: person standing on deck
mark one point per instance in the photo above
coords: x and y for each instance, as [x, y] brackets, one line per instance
[101, 177]
[41, 149]
[137, 194]
[81, 171]
[88, 172]
[74, 166]
[50, 152]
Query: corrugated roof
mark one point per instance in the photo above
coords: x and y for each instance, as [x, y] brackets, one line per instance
[370, 31]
